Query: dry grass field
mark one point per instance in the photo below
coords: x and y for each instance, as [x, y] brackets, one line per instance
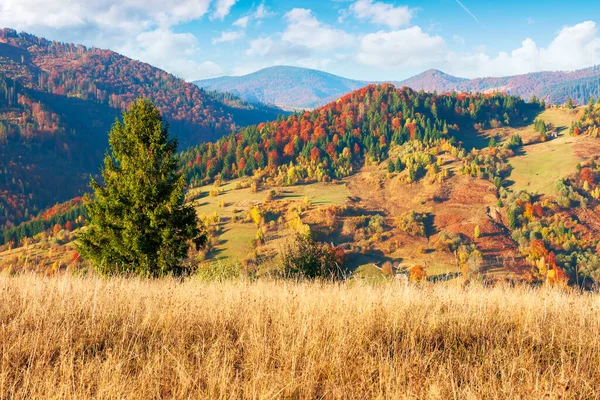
[68, 337]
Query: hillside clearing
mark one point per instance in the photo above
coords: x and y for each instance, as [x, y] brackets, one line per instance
[541, 164]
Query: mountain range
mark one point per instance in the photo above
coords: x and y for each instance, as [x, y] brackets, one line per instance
[299, 88]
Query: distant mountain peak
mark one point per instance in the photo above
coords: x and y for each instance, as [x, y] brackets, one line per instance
[285, 86]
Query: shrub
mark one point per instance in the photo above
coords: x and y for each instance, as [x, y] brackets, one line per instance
[305, 257]
[448, 241]
[412, 223]
[376, 224]
[515, 141]
[417, 273]
[387, 268]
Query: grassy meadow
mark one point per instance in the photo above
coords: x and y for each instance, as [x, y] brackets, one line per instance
[235, 239]
[83, 337]
[541, 164]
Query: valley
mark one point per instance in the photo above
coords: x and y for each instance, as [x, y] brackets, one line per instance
[361, 213]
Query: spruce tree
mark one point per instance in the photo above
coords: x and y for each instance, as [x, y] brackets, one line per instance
[138, 222]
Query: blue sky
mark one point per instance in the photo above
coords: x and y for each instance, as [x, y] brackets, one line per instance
[360, 39]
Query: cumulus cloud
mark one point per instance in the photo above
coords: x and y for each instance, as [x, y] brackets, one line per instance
[242, 22]
[574, 47]
[304, 29]
[257, 15]
[222, 8]
[261, 12]
[406, 47]
[382, 13]
[306, 42]
[260, 47]
[151, 47]
[228, 36]
[57, 14]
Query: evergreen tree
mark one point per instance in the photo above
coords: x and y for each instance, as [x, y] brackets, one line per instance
[390, 166]
[138, 222]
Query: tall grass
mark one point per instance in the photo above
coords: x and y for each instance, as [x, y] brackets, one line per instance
[69, 337]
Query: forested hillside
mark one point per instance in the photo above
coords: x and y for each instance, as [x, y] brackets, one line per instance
[589, 124]
[58, 101]
[330, 142]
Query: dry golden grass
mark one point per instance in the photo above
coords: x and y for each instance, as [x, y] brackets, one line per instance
[69, 337]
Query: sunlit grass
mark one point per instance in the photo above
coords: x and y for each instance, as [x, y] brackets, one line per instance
[69, 337]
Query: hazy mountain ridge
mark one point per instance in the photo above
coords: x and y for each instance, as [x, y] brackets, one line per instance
[286, 87]
[294, 87]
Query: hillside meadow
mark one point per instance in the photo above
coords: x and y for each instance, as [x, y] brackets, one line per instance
[83, 337]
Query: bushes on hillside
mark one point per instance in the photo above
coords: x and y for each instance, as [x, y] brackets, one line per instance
[413, 223]
[305, 257]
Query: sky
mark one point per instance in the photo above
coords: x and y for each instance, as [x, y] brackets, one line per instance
[359, 39]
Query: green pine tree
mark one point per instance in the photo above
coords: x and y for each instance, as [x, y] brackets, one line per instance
[138, 223]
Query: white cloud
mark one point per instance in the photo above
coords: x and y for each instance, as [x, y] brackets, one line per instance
[260, 47]
[313, 63]
[151, 47]
[58, 14]
[530, 21]
[574, 47]
[305, 30]
[382, 13]
[242, 22]
[406, 47]
[222, 8]
[306, 42]
[261, 12]
[228, 36]
[459, 39]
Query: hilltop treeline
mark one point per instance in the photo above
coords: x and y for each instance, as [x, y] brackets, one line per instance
[68, 215]
[329, 142]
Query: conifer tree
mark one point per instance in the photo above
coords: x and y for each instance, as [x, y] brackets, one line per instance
[138, 223]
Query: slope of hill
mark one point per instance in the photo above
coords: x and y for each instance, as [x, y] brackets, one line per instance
[58, 101]
[109, 78]
[286, 87]
[330, 141]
